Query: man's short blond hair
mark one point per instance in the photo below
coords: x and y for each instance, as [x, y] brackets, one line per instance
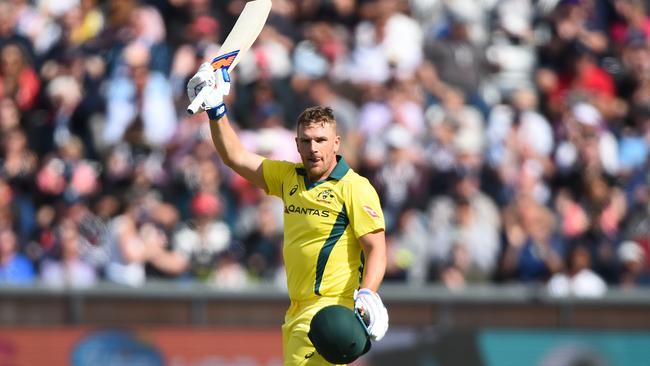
[318, 115]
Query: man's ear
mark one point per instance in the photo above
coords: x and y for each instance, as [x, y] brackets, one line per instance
[337, 143]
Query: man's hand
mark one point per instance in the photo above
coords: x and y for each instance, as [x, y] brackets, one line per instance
[206, 90]
[373, 312]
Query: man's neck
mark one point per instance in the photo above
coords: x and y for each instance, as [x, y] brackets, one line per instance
[322, 177]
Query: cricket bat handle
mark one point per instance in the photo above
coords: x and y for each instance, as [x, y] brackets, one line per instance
[198, 100]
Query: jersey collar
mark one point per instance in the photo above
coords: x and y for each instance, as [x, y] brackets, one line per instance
[340, 170]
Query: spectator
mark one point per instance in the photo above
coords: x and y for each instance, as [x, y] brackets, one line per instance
[41, 28]
[6, 204]
[9, 115]
[520, 143]
[270, 138]
[15, 269]
[512, 49]
[632, 258]
[517, 128]
[8, 34]
[604, 205]
[321, 52]
[576, 23]
[68, 173]
[145, 27]
[399, 37]
[263, 245]
[441, 149]
[322, 92]
[230, 274]
[93, 232]
[133, 240]
[458, 63]
[84, 22]
[633, 18]
[65, 94]
[399, 181]
[140, 103]
[588, 143]
[375, 115]
[469, 122]
[18, 80]
[18, 165]
[533, 251]
[43, 241]
[579, 280]
[69, 270]
[464, 231]
[408, 249]
[198, 245]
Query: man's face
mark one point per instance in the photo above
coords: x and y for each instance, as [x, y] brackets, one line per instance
[317, 145]
[7, 243]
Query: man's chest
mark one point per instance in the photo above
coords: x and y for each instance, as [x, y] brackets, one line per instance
[312, 208]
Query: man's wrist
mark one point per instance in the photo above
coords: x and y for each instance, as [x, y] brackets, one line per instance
[217, 112]
[365, 290]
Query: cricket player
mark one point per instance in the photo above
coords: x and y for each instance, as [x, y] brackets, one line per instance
[334, 244]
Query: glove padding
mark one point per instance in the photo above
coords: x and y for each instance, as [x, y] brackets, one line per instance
[373, 312]
[218, 82]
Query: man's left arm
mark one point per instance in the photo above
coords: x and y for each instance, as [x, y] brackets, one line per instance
[367, 221]
[374, 249]
[367, 301]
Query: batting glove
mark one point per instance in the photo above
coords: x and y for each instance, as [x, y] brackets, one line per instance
[211, 86]
[369, 306]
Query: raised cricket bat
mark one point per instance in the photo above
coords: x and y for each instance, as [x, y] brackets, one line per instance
[239, 40]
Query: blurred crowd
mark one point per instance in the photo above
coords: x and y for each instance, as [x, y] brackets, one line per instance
[508, 139]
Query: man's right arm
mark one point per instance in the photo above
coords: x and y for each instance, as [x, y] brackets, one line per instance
[243, 162]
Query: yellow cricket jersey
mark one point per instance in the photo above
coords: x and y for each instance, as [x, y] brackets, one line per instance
[322, 224]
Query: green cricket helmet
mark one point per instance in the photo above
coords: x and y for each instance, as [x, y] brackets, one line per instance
[338, 334]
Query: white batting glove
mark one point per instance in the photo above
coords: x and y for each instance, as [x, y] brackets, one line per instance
[209, 86]
[373, 312]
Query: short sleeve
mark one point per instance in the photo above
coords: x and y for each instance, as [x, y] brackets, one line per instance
[275, 172]
[364, 208]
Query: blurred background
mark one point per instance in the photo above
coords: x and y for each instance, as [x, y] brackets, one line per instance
[508, 141]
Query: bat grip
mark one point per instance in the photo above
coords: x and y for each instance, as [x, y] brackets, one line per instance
[198, 100]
